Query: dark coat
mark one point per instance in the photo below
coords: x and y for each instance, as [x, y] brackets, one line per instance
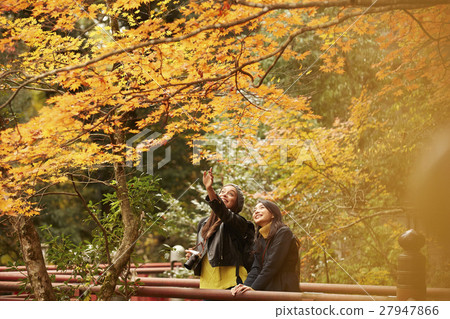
[222, 247]
[278, 270]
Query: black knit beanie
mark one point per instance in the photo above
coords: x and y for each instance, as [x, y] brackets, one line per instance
[271, 207]
[240, 197]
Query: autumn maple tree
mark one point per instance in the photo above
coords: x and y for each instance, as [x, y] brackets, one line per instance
[110, 69]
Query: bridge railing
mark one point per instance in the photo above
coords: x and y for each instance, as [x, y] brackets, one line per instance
[410, 283]
[189, 289]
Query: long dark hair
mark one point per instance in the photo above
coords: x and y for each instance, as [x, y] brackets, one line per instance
[212, 224]
[277, 223]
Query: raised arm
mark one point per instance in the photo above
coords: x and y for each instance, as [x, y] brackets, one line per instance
[228, 217]
[208, 180]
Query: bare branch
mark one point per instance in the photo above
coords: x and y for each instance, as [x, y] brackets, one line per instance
[54, 193]
[92, 180]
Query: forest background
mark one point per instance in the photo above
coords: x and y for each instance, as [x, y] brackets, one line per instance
[110, 110]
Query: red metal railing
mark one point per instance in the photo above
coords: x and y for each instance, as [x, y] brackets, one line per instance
[211, 294]
[188, 289]
[147, 268]
[410, 282]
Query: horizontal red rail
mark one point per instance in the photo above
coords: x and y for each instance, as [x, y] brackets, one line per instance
[139, 271]
[164, 287]
[432, 293]
[9, 298]
[219, 294]
[146, 281]
[133, 266]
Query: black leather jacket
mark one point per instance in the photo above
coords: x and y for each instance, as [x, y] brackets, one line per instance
[222, 247]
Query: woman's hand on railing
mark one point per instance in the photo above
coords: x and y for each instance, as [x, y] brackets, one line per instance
[240, 289]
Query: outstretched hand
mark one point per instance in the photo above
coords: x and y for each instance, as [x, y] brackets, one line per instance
[239, 289]
[208, 178]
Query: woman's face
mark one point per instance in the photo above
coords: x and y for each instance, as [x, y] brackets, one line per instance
[228, 195]
[261, 215]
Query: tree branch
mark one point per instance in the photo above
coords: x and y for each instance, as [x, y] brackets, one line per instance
[384, 5]
[420, 25]
[93, 127]
[54, 193]
[438, 40]
[133, 48]
[36, 89]
[387, 212]
[340, 185]
[93, 180]
[341, 3]
[278, 56]
[104, 231]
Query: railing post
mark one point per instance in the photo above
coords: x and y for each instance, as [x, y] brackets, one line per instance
[411, 272]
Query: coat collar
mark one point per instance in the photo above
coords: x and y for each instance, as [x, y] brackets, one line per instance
[264, 231]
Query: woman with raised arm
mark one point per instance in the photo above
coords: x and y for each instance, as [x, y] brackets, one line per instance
[219, 262]
[275, 267]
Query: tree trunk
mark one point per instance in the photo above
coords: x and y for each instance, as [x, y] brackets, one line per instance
[131, 224]
[30, 245]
